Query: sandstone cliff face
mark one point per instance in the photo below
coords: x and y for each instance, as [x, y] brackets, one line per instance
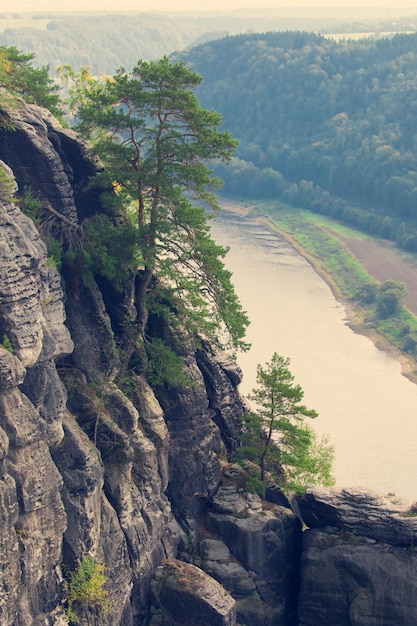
[358, 566]
[142, 484]
[86, 470]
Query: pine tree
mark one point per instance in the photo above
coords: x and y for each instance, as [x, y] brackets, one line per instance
[156, 142]
[285, 435]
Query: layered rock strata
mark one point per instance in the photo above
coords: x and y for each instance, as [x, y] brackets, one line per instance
[85, 469]
[92, 467]
[32, 405]
[359, 560]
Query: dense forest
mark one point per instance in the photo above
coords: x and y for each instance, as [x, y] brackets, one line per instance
[103, 42]
[326, 124]
[330, 126]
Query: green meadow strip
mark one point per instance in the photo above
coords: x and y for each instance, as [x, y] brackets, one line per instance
[309, 234]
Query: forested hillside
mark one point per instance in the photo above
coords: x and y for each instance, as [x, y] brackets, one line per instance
[330, 126]
[105, 41]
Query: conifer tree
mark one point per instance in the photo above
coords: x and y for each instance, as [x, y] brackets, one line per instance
[279, 417]
[156, 143]
[18, 77]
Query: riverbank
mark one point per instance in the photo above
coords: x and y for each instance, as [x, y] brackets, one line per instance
[340, 268]
[354, 314]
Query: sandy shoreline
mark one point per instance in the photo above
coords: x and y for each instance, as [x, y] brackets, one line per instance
[408, 366]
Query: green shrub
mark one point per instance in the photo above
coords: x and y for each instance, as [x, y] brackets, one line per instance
[165, 368]
[390, 298]
[54, 248]
[31, 206]
[367, 293]
[254, 484]
[7, 344]
[109, 250]
[410, 343]
[86, 587]
[7, 185]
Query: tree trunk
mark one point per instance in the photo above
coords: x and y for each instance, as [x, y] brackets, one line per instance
[143, 280]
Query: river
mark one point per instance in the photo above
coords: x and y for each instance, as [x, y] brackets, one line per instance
[365, 405]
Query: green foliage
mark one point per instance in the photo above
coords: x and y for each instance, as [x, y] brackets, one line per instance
[306, 459]
[86, 588]
[55, 252]
[129, 385]
[107, 40]
[253, 441]
[104, 40]
[367, 294]
[7, 185]
[7, 344]
[325, 125]
[109, 249]
[165, 368]
[410, 343]
[31, 205]
[255, 484]
[156, 141]
[19, 77]
[276, 435]
[390, 298]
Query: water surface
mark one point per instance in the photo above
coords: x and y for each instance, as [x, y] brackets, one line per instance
[365, 405]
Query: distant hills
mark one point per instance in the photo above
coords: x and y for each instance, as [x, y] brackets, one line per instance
[326, 125]
[106, 41]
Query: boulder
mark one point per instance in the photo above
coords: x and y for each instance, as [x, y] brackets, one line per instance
[359, 563]
[346, 580]
[184, 595]
[218, 561]
[365, 513]
[264, 544]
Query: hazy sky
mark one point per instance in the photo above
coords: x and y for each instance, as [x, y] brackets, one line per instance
[175, 5]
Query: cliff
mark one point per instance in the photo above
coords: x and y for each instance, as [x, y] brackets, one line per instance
[95, 464]
[85, 469]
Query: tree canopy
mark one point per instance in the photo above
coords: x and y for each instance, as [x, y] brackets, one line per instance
[322, 124]
[277, 435]
[156, 143]
[19, 77]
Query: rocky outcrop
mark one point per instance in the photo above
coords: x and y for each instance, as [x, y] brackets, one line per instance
[358, 566]
[221, 377]
[252, 547]
[198, 448]
[183, 595]
[95, 463]
[384, 518]
[87, 470]
[32, 404]
[49, 161]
